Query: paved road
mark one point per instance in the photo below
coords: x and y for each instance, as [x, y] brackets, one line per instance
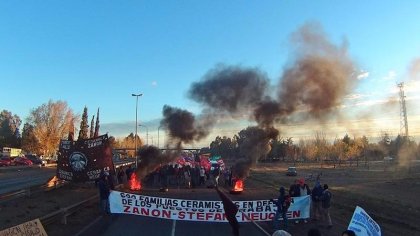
[14, 179]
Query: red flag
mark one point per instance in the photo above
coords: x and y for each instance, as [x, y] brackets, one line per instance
[230, 210]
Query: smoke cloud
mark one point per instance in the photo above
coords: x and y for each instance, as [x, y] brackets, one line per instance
[152, 158]
[313, 84]
[230, 89]
[414, 69]
[254, 143]
[319, 77]
[183, 127]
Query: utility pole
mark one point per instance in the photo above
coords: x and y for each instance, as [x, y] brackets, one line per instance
[403, 112]
[135, 138]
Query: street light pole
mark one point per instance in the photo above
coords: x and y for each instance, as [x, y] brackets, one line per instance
[135, 138]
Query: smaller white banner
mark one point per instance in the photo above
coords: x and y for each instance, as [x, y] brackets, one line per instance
[30, 228]
[363, 225]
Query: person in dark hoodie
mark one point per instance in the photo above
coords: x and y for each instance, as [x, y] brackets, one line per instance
[326, 204]
[104, 191]
[282, 203]
[316, 201]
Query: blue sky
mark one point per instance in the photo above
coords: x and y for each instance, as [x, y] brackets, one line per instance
[97, 53]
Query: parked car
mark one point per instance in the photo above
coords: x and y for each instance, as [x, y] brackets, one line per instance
[291, 171]
[22, 161]
[6, 161]
[36, 160]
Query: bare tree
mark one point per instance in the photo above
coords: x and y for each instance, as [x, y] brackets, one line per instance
[51, 122]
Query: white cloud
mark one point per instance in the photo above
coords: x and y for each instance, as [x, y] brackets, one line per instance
[154, 83]
[390, 76]
[412, 86]
[355, 96]
[363, 75]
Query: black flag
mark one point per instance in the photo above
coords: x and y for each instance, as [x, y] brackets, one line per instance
[230, 210]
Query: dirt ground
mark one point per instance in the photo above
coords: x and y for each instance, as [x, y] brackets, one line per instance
[388, 193]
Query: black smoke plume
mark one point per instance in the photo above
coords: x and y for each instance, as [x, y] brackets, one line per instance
[152, 158]
[319, 77]
[230, 89]
[254, 143]
[183, 126]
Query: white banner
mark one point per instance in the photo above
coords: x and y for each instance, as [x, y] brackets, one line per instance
[198, 210]
[363, 225]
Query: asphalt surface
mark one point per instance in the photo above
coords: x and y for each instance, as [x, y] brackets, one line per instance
[15, 178]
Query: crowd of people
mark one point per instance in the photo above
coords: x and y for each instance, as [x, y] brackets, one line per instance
[196, 176]
[188, 176]
[320, 204]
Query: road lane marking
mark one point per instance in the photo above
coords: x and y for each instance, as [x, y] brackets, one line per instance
[173, 228]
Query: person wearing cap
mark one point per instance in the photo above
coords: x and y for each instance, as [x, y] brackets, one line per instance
[302, 189]
[282, 203]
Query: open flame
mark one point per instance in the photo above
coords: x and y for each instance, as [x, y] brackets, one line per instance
[133, 182]
[238, 187]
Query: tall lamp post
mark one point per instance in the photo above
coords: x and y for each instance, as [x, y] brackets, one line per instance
[135, 138]
[147, 134]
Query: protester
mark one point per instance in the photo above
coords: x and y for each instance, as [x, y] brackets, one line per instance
[326, 203]
[348, 233]
[187, 176]
[282, 203]
[316, 200]
[104, 191]
[195, 176]
[281, 233]
[216, 175]
[314, 232]
[202, 176]
[120, 176]
[294, 189]
[164, 178]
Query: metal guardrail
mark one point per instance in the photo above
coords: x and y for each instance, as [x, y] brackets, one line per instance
[27, 192]
[63, 213]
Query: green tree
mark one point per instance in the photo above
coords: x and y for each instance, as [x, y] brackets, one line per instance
[97, 124]
[84, 127]
[30, 142]
[9, 129]
[224, 147]
[92, 132]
